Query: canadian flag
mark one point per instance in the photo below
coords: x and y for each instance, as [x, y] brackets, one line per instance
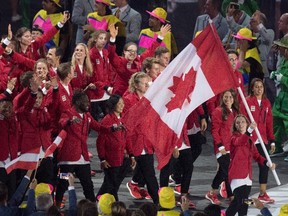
[26, 161]
[199, 72]
[56, 143]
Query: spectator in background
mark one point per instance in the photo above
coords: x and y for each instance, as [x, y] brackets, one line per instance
[236, 20]
[79, 17]
[147, 36]
[119, 209]
[104, 204]
[265, 39]
[249, 6]
[130, 18]
[49, 16]
[249, 59]
[101, 19]
[212, 210]
[212, 11]
[283, 24]
[280, 109]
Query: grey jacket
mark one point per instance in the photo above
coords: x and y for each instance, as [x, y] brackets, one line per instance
[219, 22]
[79, 16]
[132, 21]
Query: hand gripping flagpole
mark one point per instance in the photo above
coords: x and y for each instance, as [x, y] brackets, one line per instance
[258, 135]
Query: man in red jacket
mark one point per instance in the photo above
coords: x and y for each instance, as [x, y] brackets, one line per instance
[77, 121]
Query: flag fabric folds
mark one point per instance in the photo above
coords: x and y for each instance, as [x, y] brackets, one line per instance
[198, 73]
[56, 143]
[26, 161]
[29, 160]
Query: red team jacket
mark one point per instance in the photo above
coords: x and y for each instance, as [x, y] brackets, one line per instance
[111, 145]
[242, 151]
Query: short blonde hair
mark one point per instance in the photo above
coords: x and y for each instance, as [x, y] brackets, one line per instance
[135, 79]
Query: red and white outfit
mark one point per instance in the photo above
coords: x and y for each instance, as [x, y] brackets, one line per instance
[125, 69]
[73, 156]
[102, 73]
[111, 147]
[240, 170]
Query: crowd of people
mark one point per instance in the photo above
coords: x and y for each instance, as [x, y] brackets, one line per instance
[113, 64]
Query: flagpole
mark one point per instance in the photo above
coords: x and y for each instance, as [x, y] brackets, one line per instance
[258, 135]
[38, 161]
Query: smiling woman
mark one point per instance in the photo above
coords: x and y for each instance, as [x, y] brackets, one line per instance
[260, 108]
[222, 120]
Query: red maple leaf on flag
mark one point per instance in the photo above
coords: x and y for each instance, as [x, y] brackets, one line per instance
[182, 87]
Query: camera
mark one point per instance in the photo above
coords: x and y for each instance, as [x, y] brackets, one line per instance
[248, 201]
[64, 176]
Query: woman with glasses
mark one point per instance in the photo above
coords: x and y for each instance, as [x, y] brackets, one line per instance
[130, 62]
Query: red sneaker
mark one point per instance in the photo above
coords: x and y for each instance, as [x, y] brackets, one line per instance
[191, 204]
[213, 198]
[177, 189]
[265, 198]
[134, 190]
[144, 193]
[223, 191]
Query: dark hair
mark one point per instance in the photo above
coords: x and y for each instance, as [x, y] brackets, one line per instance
[37, 28]
[3, 192]
[18, 35]
[129, 44]
[53, 211]
[149, 209]
[63, 70]
[138, 212]
[78, 96]
[263, 18]
[212, 210]
[108, 10]
[112, 102]
[58, 51]
[25, 78]
[148, 63]
[252, 85]
[235, 105]
[217, 4]
[118, 209]
[232, 51]
[234, 129]
[94, 36]
[160, 50]
[80, 205]
[89, 209]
